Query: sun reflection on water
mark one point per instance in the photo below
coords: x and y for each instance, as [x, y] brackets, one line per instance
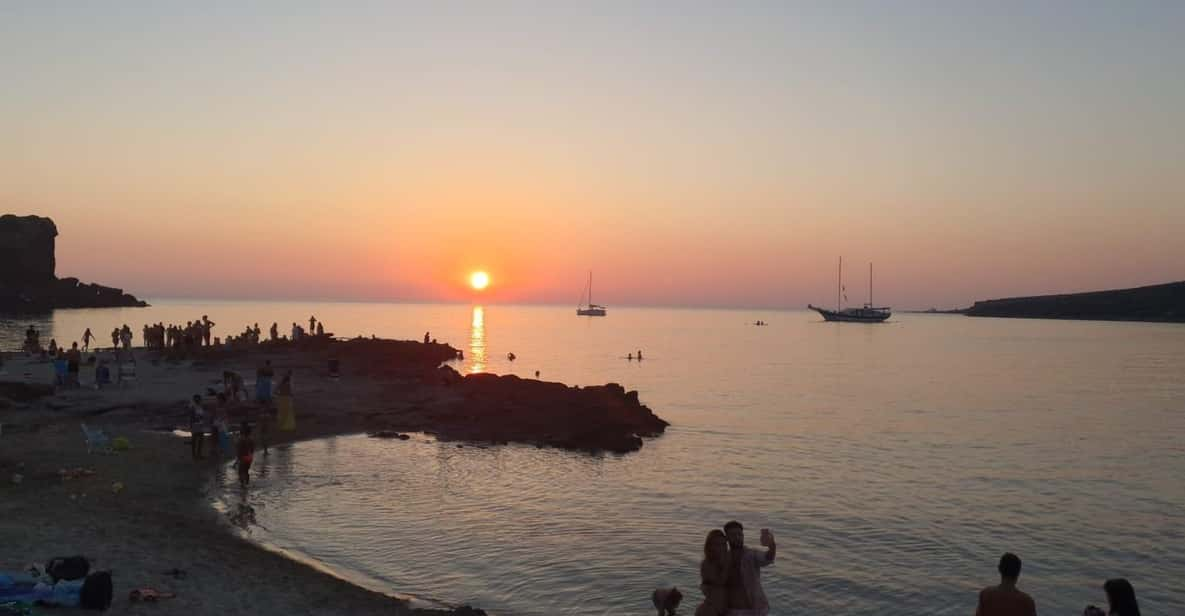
[477, 341]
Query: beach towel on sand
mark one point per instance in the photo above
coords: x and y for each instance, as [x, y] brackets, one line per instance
[286, 413]
[93, 592]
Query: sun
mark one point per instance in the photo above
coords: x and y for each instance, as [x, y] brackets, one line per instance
[479, 280]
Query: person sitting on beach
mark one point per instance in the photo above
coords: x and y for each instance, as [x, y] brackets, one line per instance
[244, 454]
[426, 338]
[1006, 599]
[745, 595]
[713, 573]
[1121, 600]
[197, 428]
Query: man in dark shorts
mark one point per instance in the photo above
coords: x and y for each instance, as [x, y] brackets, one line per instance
[1006, 599]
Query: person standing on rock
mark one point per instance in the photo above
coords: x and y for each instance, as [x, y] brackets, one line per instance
[274, 332]
[86, 340]
[312, 325]
[207, 326]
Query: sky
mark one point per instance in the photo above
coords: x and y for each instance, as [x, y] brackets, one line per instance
[687, 153]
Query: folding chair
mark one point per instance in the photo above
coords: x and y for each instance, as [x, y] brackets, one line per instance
[96, 439]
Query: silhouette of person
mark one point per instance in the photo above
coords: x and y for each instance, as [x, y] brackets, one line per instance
[1006, 599]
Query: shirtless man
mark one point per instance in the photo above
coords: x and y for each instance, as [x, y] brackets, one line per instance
[1006, 599]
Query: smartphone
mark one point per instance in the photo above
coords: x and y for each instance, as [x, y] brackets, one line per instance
[766, 537]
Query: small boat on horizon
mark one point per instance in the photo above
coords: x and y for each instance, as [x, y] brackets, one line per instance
[589, 309]
[867, 314]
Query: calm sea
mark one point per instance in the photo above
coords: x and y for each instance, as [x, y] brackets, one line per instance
[893, 462]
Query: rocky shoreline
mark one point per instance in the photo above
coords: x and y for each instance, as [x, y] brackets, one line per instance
[161, 518]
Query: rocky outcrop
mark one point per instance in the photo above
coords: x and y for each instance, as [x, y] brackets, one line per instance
[501, 409]
[1162, 302]
[27, 272]
[27, 250]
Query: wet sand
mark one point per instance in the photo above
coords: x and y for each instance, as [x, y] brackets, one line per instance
[162, 519]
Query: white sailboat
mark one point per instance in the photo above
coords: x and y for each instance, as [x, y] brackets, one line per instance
[589, 309]
[868, 314]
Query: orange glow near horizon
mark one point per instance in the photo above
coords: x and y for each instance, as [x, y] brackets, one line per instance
[392, 154]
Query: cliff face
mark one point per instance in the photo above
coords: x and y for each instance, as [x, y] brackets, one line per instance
[1162, 302]
[26, 250]
[27, 266]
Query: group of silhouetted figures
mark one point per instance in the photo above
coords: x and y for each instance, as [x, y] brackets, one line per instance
[1006, 599]
[730, 579]
[189, 336]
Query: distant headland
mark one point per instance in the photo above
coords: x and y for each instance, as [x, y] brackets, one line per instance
[1161, 303]
[28, 282]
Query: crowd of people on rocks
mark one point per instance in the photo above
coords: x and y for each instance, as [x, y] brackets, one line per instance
[173, 339]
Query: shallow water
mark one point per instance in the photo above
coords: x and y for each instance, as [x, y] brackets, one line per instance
[894, 463]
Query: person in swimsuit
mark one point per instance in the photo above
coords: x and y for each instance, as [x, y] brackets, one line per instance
[713, 573]
[245, 454]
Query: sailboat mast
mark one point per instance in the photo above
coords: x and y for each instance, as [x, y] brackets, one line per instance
[870, 284]
[590, 288]
[839, 287]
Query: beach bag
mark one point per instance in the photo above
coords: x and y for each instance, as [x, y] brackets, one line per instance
[96, 592]
[68, 568]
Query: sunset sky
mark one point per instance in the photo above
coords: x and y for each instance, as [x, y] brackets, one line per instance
[688, 153]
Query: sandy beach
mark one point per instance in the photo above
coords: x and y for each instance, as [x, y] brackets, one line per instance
[162, 518]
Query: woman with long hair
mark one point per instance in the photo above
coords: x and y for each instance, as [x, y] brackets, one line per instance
[713, 571]
[1121, 598]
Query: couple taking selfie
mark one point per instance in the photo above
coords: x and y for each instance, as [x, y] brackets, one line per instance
[730, 574]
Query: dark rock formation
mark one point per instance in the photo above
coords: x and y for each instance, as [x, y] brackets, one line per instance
[1162, 302]
[27, 250]
[27, 265]
[502, 409]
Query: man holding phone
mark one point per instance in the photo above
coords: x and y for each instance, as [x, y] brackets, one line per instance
[745, 595]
